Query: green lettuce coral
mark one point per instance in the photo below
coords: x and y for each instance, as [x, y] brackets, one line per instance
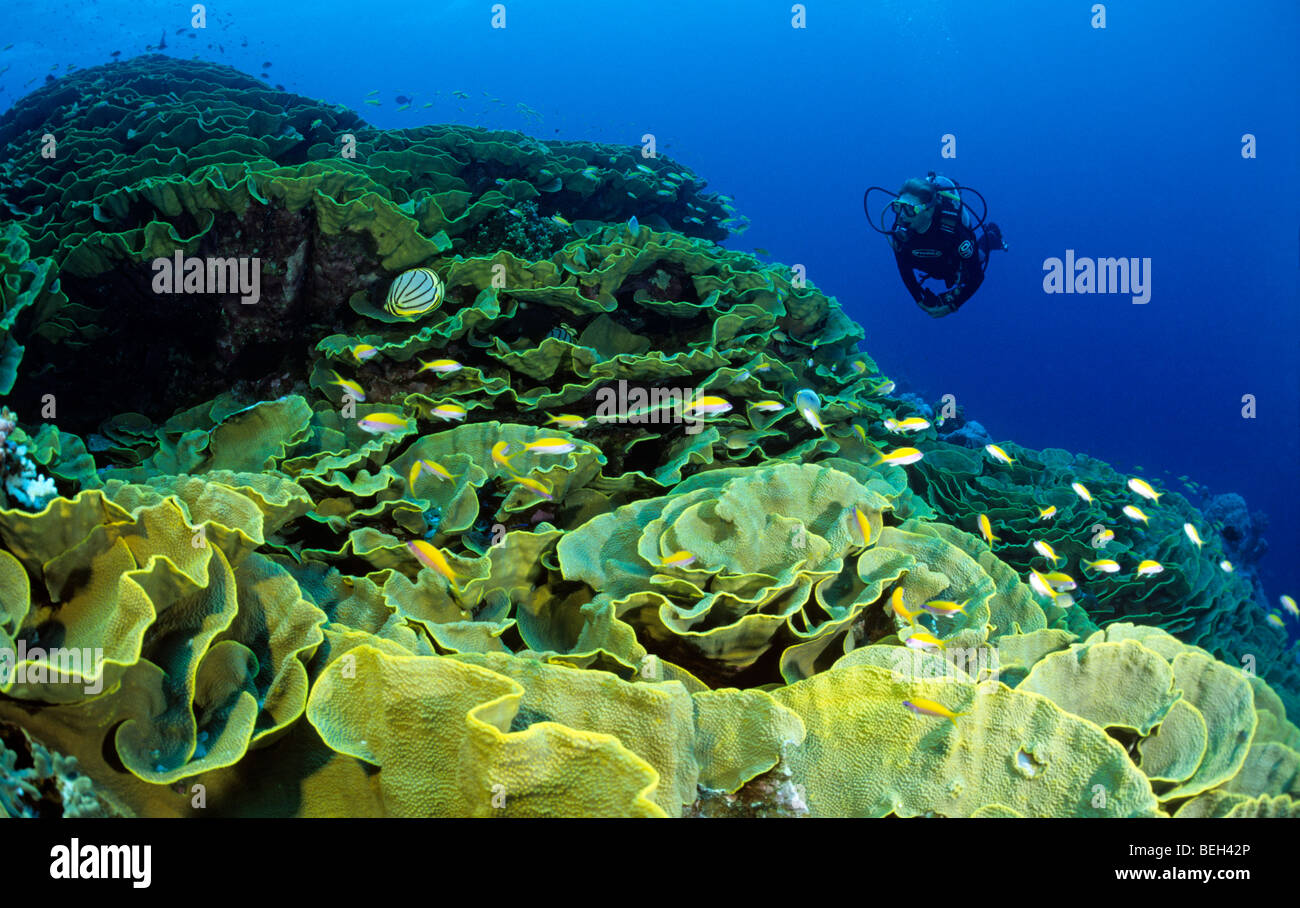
[568, 599]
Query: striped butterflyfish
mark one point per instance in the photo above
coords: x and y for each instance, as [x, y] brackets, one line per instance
[414, 293]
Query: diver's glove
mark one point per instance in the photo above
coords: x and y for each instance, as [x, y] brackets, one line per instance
[994, 233]
[933, 306]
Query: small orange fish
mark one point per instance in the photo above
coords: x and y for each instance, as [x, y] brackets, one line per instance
[431, 556]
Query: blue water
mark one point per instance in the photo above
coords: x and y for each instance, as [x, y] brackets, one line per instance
[1117, 142]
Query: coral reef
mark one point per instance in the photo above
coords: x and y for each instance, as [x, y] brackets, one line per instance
[538, 552]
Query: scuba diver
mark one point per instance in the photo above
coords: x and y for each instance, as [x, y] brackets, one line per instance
[934, 232]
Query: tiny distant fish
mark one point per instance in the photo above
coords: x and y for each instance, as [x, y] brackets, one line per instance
[561, 221]
[644, 169]
[402, 99]
[374, 103]
[1275, 619]
[116, 53]
[405, 107]
[266, 65]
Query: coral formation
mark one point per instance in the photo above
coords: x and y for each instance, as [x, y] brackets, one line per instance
[536, 551]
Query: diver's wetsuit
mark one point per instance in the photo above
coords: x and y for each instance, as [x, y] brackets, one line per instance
[948, 251]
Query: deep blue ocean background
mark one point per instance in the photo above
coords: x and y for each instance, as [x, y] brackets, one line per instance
[1117, 142]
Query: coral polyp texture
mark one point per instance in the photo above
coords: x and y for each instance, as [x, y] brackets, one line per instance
[559, 542]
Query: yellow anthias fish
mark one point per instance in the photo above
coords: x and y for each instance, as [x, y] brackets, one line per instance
[1190, 530]
[1135, 513]
[1148, 568]
[1047, 513]
[534, 486]
[924, 641]
[1104, 538]
[1082, 491]
[1105, 565]
[707, 405]
[1046, 551]
[1038, 583]
[499, 452]
[1143, 488]
[563, 222]
[1275, 619]
[1226, 565]
[1060, 581]
[450, 412]
[767, 406]
[923, 707]
[986, 528]
[899, 607]
[885, 387]
[441, 366]
[998, 454]
[864, 526]
[363, 352]
[376, 423]
[550, 446]
[568, 421]
[680, 558]
[858, 366]
[910, 424]
[431, 467]
[899, 457]
[431, 556]
[1290, 605]
[945, 608]
[861, 433]
[349, 386]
